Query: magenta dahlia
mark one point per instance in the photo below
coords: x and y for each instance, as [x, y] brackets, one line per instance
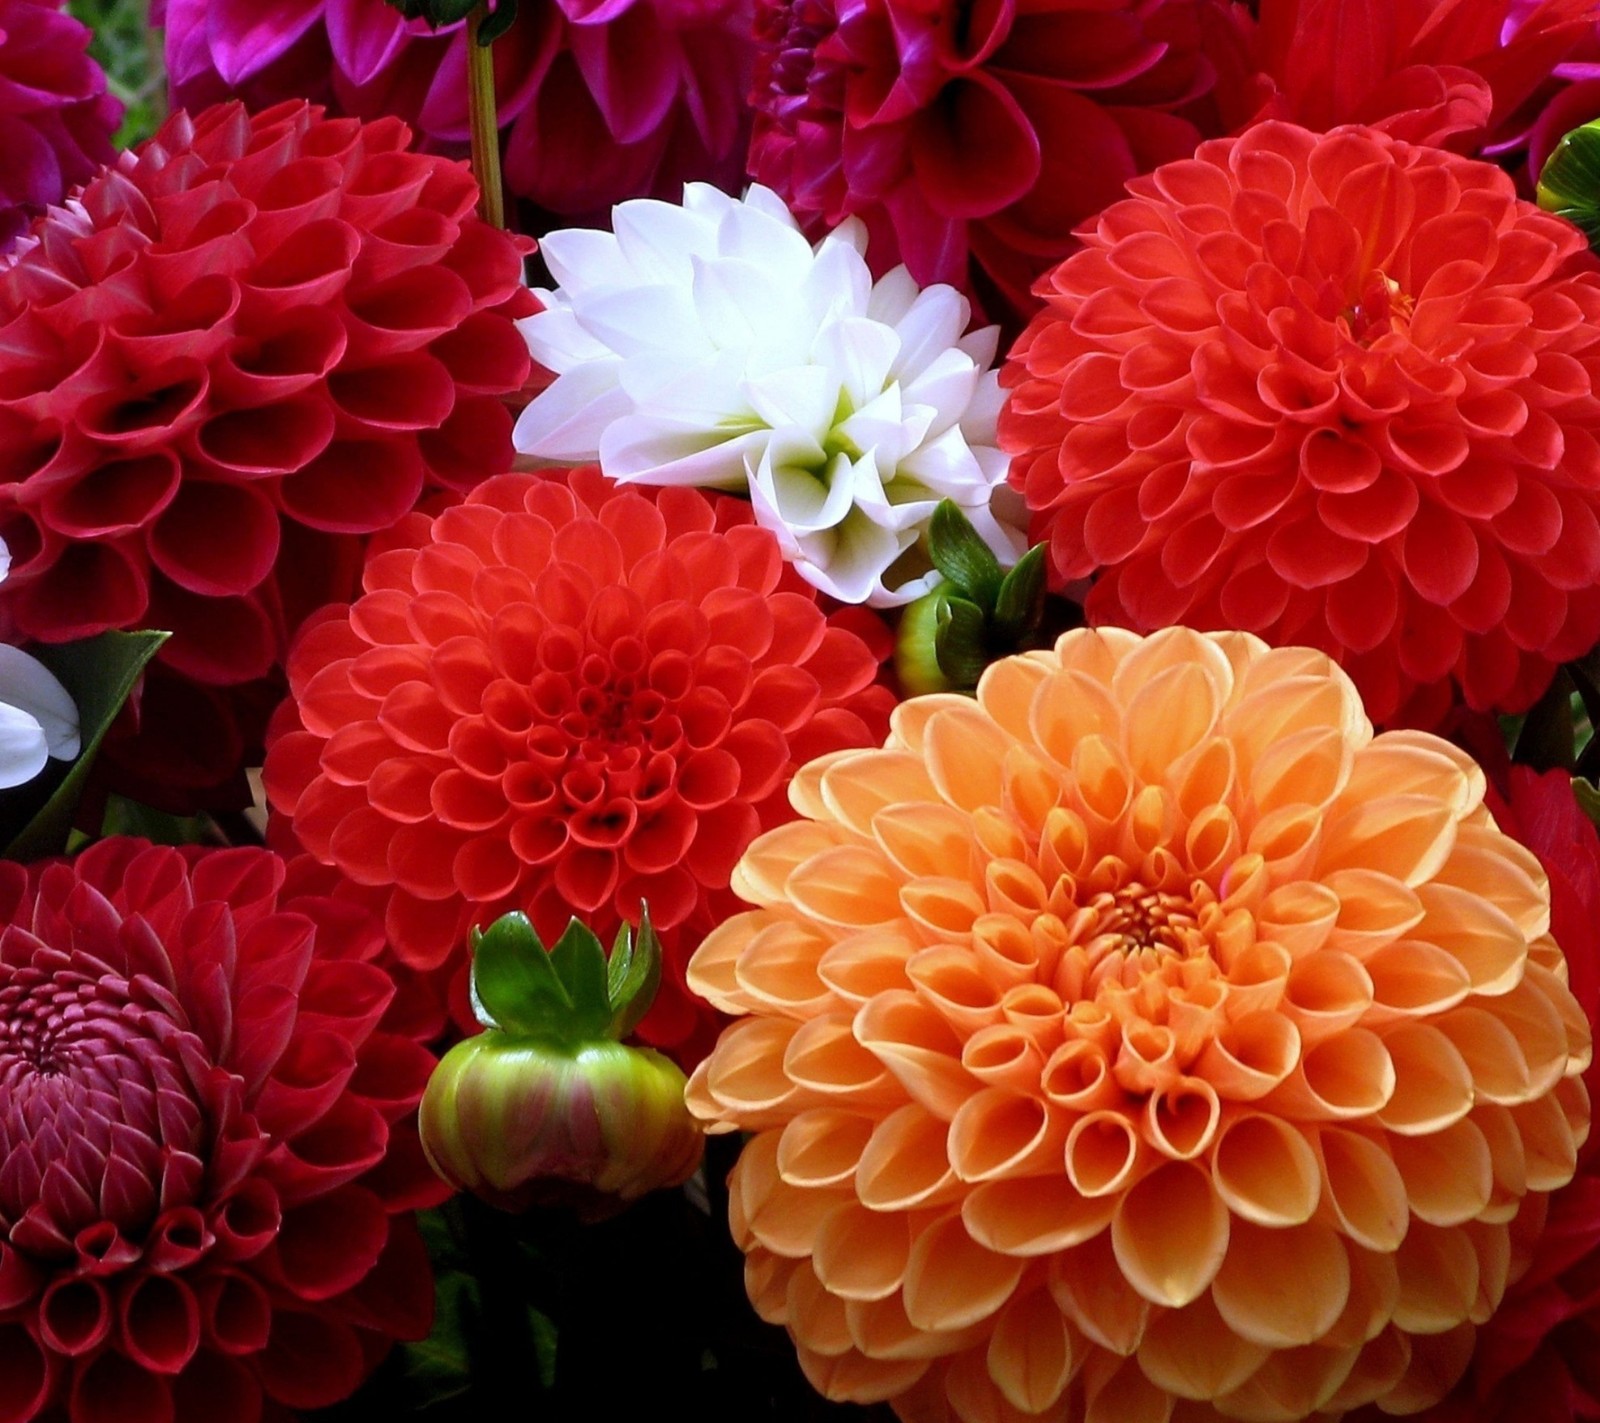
[56, 119]
[601, 101]
[252, 342]
[203, 1127]
[973, 139]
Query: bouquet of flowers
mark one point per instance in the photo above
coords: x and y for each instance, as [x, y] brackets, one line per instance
[812, 708]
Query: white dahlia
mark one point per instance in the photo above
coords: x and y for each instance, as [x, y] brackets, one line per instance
[711, 345]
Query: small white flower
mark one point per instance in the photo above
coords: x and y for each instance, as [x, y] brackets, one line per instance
[38, 718]
[710, 345]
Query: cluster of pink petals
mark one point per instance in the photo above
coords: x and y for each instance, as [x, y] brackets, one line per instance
[251, 342]
[602, 99]
[1336, 390]
[207, 1138]
[56, 119]
[972, 140]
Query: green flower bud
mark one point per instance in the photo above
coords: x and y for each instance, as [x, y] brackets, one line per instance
[546, 1107]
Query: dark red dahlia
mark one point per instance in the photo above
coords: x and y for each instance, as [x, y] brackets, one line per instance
[253, 341]
[206, 1141]
[973, 136]
[565, 698]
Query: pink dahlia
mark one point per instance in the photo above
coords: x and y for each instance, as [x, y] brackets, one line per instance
[565, 698]
[56, 119]
[1336, 390]
[973, 139]
[200, 1115]
[602, 99]
[253, 341]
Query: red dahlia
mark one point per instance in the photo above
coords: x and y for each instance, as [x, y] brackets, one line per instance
[1337, 390]
[200, 1162]
[253, 340]
[565, 698]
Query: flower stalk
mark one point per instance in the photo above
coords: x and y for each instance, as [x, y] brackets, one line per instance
[485, 118]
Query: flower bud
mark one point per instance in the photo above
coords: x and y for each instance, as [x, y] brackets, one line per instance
[547, 1107]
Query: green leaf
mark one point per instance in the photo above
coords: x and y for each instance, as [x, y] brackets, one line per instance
[440, 1366]
[1545, 741]
[1588, 798]
[514, 984]
[959, 643]
[437, 13]
[1019, 607]
[99, 674]
[1569, 186]
[963, 557]
[633, 985]
[496, 24]
[580, 963]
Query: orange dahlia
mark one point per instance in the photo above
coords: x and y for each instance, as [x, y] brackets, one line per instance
[1337, 390]
[1146, 1040]
[564, 698]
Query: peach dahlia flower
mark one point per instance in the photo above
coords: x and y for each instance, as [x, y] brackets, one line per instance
[1145, 1040]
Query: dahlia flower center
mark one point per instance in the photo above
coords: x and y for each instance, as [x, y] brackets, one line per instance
[92, 1097]
[1380, 309]
[790, 32]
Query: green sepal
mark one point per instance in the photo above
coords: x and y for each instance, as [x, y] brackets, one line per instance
[497, 22]
[968, 564]
[1569, 185]
[1019, 606]
[515, 987]
[437, 13]
[633, 975]
[580, 964]
[99, 674]
[1588, 798]
[916, 659]
[959, 642]
[569, 995]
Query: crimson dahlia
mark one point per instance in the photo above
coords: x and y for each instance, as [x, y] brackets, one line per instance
[205, 1141]
[252, 341]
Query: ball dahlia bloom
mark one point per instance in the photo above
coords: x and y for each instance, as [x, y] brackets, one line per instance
[1144, 1031]
[599, 101]
[252, 341]
[56, 119]
[199, 1095]
[1534, 1359]
[564, 699]
[709, 344]
[1334, 390]
[974, 139]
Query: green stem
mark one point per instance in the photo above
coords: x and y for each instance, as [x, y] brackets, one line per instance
[485, 123]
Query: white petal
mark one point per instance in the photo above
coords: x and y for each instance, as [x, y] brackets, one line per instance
[556, 340]
[5, 561]
[649, 449]
[660, 240]
[804, 398]
[25, 682]
[930, 328]
[23, 749]
[564, 422]
[892, 297]
[583, 259]
[645, 319]
[862, 353]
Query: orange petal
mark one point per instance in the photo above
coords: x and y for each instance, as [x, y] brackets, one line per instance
[862, 1254]
[906, 1164]
[999, 1132]
[822, 1147]
[1282, 1287]
[951, 1281]
[1088, 1284]
[1032, 1355]
[1266, 1171]
[1438, 1278]
[1363, 1188]
[1192, 1353]
[919, 1047]
[1170, 1233]
[1449, 1174]
[1034, 1215]
[1432, 1086]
